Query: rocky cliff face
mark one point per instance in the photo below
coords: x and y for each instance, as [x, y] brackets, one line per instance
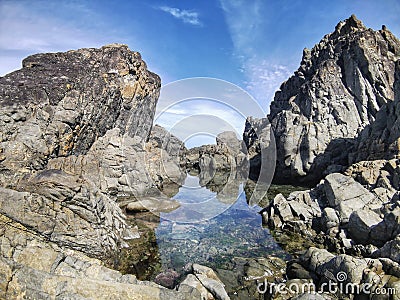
[60, 103]
[338, 90]
[380, 140]
[339, 116]
[72, 143]
[69, 122]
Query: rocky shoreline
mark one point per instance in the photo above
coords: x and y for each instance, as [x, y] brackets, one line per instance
[336, 128]
[81, 183]
[76, 131]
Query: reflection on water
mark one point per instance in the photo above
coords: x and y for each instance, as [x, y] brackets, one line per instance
[212, 226]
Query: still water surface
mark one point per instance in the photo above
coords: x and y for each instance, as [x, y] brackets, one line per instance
[212, 228]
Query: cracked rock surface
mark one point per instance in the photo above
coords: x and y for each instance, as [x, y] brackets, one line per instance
[340, 86]
[72, 152]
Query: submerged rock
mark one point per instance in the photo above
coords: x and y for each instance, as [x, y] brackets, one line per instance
[152, 204]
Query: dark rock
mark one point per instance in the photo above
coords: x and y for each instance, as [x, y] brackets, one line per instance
[391, 250]
[296, 270]
[167, 278]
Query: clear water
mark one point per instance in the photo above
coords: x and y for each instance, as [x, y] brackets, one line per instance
[212, 228]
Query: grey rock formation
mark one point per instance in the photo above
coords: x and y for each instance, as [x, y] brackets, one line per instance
[325, 264]
[72, 144]
[153, 204]
[167, 141]
[260, 143]
[34, 268]
[338, 114]
[345, 195]
[297, 211]
[205, 283]
[60, 103]
[230, 141]
[340, 208]
[336, 92]
[380, 140]
[164, 153]
[228, 155]
[72, 124]
[390, 250]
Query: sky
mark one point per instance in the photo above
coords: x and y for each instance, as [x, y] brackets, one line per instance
[254, 44]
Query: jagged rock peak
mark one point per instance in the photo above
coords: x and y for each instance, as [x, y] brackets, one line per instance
[341, 84]
[349, 25]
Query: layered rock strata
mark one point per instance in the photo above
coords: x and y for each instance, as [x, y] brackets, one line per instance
[72, 142]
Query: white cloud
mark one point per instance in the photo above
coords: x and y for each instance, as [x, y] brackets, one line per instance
[26, 28]
[264, 78]
[187, 16]
[200, 119]
[247, 27]
[244, 21]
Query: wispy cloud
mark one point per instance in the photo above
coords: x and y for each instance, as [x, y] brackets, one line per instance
[27, 28]
[247, 27]
[264, 78]
[244, 21]
[187, 16]
[179, 118]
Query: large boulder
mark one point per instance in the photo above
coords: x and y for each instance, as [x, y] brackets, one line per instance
[164, 152]
[346, 195]
[204, 282]
[362, 227]
[74, 128]
[58, 104]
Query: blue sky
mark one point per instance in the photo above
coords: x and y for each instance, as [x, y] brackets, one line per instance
[255, 44]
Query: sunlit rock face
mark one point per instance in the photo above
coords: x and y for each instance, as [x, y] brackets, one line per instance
[73, 130]
[337, 91]
[380, 139]
[71, 124]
